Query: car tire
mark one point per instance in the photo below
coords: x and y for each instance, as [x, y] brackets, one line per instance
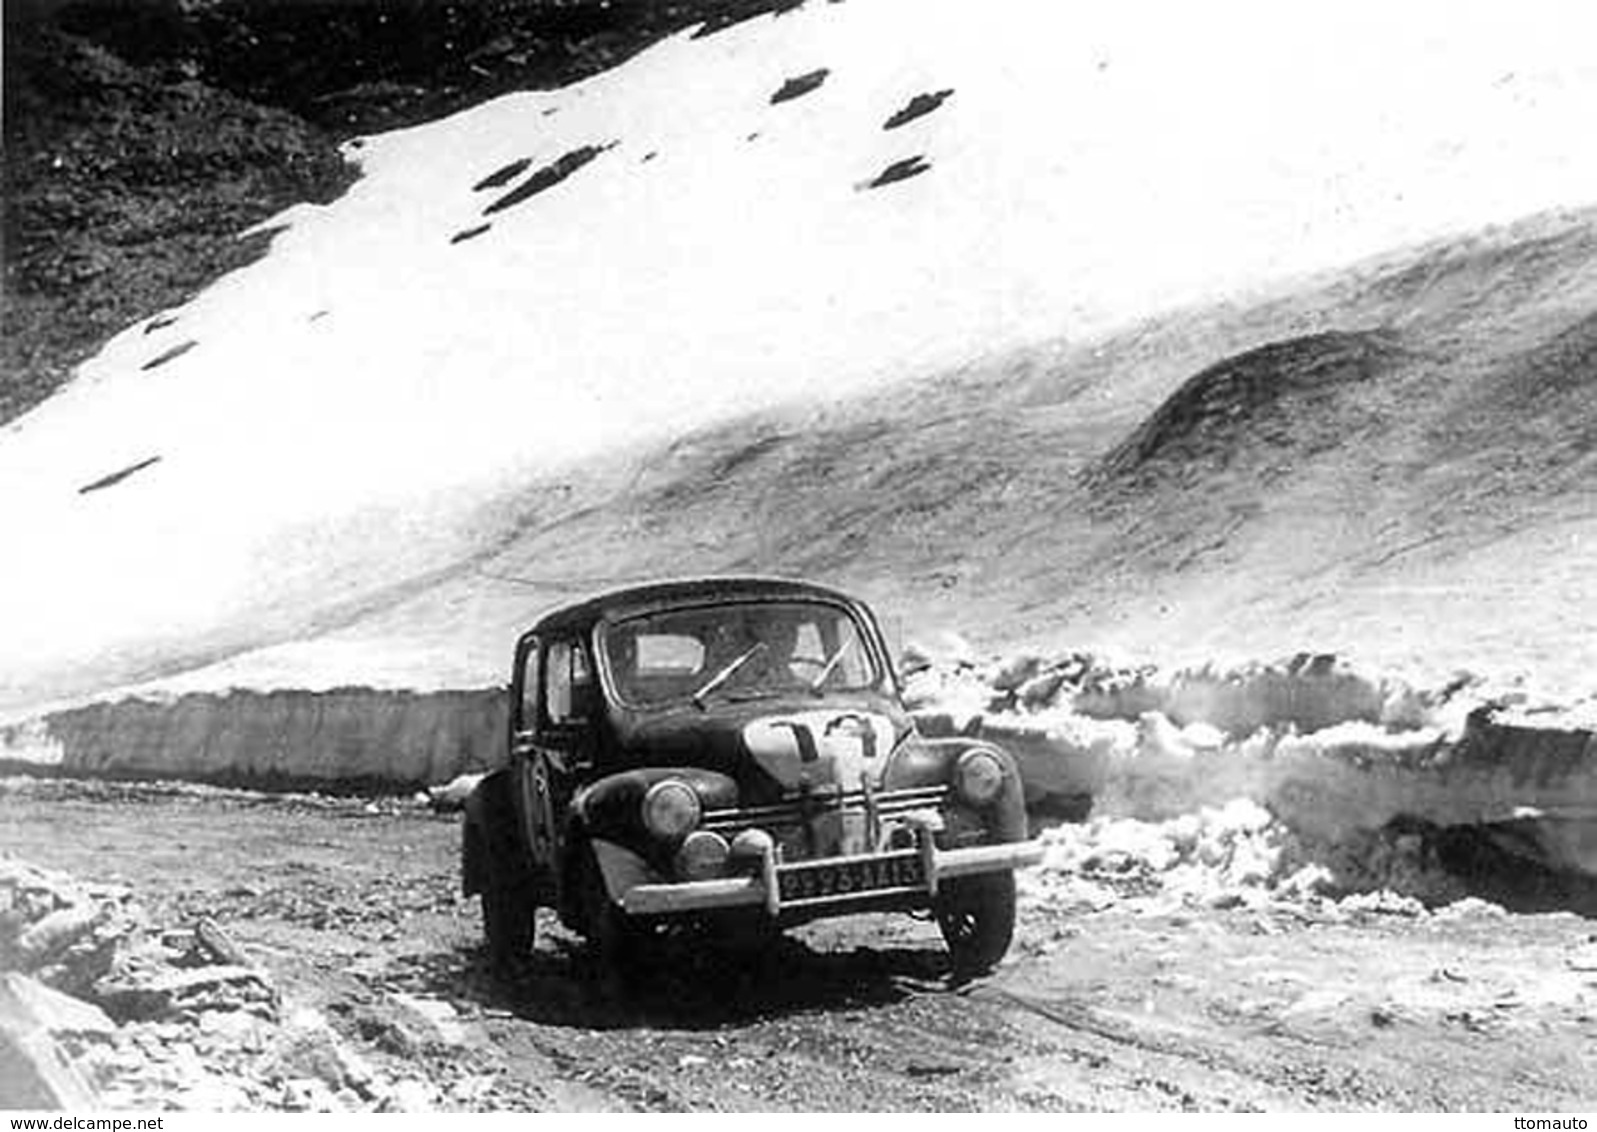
[509, 917]
[745, 933]
[492, 856]
[613, 938]
[977, 917]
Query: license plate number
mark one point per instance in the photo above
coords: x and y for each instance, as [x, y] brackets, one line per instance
[844, 878]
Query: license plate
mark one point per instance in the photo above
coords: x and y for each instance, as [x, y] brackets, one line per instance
[830, 879]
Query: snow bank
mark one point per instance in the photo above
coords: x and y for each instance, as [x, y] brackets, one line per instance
[1333, 752]
[346, 736]
[1236, 854]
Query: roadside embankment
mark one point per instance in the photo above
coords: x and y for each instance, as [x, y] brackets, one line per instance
[347, 736]
[1334, 753]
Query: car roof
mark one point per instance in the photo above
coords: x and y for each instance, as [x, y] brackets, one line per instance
[613, 605]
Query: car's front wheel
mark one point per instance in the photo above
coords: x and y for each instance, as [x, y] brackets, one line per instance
[491, 862]
[508, 916]
[614, 938]
[977, 918]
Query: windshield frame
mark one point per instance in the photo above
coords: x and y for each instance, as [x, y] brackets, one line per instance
[879, 680]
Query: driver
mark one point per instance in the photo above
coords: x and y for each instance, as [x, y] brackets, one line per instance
[781, 640]
[769, 645]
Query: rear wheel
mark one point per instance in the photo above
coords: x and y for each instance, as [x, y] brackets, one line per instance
[977, 918]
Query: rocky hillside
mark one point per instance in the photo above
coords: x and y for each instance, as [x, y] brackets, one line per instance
[143, 136]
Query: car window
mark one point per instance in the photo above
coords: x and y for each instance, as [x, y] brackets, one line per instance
[528, 714]
[668, 654]
[568, 682]
[738, 649]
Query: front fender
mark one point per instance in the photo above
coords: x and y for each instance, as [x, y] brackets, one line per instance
[611, 807]
[930, 762]
[623, 869]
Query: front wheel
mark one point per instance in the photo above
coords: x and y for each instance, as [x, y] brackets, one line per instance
[508, 917]
[614, 938]
[977, 918]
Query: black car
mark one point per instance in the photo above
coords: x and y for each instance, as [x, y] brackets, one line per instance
[733, 752]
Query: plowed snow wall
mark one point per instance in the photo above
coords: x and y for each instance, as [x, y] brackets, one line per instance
[1347, 777]
[1308, 697]
[1329, 750]
[353, 735]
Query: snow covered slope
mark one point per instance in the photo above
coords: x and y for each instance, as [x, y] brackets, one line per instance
[795, 208]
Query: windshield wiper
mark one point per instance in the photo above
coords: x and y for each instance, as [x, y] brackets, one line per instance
[724, 675]
[826, 670]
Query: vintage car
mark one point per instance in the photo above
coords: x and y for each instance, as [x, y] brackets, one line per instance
[733, 752]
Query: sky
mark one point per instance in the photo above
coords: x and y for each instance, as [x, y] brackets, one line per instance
[346, 413]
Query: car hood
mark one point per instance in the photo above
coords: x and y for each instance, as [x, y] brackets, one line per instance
[775, 747]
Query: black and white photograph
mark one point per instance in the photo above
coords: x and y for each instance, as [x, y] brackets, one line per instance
[642, 556]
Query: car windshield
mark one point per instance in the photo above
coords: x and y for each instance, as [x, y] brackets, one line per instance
[744, 650]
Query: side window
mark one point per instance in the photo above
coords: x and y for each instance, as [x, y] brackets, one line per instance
[527, 710]
[663, 654]
[568, 683]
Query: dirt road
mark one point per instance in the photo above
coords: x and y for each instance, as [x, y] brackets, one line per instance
[1141, 1004]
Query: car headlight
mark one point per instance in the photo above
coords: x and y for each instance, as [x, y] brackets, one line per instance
[978, 777]
[752, 843]
[670, 809]
[703, 855]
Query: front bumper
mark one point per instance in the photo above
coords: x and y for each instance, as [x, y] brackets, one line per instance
[767, 886]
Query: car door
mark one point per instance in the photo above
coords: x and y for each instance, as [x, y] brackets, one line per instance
[534, 805]
[564, 743]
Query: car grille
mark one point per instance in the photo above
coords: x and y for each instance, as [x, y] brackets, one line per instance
[797, 811]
